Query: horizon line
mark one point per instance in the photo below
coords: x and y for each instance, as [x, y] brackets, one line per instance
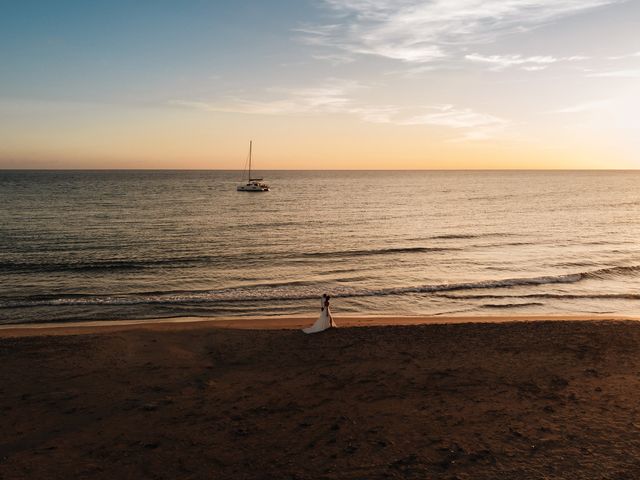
[321, 170]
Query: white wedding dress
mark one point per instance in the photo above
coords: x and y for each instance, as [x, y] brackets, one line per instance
[325, 321]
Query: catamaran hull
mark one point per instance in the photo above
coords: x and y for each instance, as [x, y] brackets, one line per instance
[243, 188]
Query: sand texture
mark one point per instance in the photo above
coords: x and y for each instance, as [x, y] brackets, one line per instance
[526, 400]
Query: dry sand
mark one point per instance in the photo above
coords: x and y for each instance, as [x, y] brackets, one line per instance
[511, 400]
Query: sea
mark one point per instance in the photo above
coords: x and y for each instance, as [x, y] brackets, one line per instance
[113, 245]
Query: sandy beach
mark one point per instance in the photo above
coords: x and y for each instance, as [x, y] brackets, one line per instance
[424, 398]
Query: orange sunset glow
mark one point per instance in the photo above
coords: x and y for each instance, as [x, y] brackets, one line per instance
[332, 84]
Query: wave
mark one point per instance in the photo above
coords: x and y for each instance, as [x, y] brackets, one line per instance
[456, 236]
[558, 296]
[507, 244]
[115, 265]
[512, 305]
[112, 265]
[272, 293]
[108, 265]
[291, 291]
[141, 264]
[612, 272]
[380, 251]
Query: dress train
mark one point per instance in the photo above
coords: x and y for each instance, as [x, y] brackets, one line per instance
[324, 322]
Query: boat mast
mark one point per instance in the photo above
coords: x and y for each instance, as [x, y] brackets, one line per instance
[250, 147]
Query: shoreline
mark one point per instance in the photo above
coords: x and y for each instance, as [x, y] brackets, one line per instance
[280, 323]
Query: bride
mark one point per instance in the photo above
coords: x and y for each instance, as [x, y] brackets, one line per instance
[326, 320]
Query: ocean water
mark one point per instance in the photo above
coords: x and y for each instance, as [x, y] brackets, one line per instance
[82, 245]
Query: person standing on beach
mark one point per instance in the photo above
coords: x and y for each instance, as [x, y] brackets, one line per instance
[326, 319]
[328, 310]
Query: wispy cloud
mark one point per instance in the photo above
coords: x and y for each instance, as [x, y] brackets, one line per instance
[335, 58]
[505, 61]
[585, 106]
[532, 63]
[336, 97]
[628, 73]
[419, 31]
[468, 124]
[625, 56]
[450, 116]
[330, 97]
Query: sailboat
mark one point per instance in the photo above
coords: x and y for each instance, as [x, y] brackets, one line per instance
[252, 184]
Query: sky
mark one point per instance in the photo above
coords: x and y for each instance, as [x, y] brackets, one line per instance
[320, 84]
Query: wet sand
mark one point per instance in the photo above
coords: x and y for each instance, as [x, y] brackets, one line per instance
[510, 400]
[272, 323]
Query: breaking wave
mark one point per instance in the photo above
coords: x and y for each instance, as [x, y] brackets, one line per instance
[305, 291]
